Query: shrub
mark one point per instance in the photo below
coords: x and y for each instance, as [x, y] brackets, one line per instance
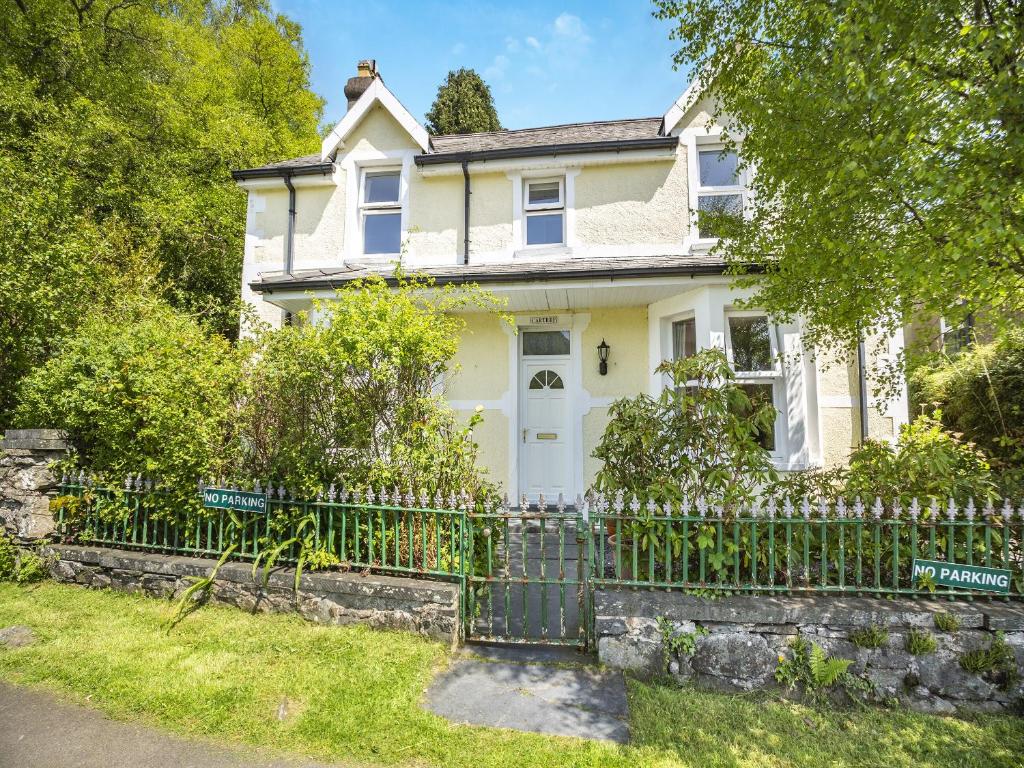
[980, 393]
[699, 438]
[927, 462]
[920, 643]
[946, 622]
[350, 394]
[19, 564]
[872, 636]
[147, 389]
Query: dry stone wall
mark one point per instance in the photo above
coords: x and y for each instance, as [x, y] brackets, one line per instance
[737, 642]
[429, 608]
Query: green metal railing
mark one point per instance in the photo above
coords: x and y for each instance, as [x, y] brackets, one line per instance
[528, 575]
[388, 532]
[820, 547]
[529, 578]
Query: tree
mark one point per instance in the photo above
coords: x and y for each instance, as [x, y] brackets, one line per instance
[119, 125]
[888, 142]
[463, 105]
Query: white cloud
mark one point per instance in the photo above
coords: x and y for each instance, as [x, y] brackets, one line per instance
[458, 49]
[562, 45]
[496, 70]
[571, 27]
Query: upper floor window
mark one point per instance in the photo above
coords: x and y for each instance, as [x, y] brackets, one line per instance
[544, 208]
[753, 354]
[381, 210]
[720, 190]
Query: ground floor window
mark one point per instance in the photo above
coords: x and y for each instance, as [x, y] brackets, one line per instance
[752, 349]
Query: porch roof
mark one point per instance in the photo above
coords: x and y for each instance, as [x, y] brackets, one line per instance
[505, 272]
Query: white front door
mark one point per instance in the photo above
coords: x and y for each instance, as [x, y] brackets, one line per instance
[545, 440]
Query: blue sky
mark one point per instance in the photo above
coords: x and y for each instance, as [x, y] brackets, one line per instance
[546, 63]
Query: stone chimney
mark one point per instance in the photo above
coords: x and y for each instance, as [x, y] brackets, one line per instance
[366, 72]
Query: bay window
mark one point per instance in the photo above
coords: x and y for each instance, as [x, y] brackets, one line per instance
[753, 354]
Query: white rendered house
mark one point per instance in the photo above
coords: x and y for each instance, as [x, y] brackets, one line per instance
[591, 231]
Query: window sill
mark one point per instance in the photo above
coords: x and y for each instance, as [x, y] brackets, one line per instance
[793, 465]
[541, 251]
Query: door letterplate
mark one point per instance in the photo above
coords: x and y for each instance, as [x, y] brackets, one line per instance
[547, 436]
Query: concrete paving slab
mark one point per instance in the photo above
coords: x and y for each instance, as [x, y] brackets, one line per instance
[580, 701]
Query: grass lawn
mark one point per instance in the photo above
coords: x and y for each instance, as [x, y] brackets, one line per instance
[355, 693]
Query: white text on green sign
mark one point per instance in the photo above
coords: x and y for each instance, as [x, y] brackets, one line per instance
[963, 576]
[225, 498]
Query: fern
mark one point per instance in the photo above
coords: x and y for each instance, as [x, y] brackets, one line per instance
[825, 670]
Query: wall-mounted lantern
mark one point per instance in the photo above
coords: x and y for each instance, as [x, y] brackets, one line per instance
[602, 355]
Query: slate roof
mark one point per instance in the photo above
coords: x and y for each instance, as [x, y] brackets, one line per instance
[505, 272]
[571, 133]
[606, 134]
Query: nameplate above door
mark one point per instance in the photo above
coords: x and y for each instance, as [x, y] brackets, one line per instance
[547, 436]
[544, 320]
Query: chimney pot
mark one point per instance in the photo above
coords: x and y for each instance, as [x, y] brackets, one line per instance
[366, 73]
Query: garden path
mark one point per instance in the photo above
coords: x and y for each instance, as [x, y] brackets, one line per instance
[544, 690]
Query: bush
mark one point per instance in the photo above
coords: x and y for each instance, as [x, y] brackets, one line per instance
[350, 395]
[927, 462]
[699, 438]
[20, 565]
[980, 393]
[147, 390]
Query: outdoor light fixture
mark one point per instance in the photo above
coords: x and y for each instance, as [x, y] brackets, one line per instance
[602, 355]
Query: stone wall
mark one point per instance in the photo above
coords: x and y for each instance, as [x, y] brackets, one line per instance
[745, 636]
[26, 482]
[429, 608]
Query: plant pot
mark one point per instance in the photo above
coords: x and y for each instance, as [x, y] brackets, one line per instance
[626, 555]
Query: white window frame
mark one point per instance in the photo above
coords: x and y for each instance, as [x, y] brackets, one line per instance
[699, 190]
[374, 209]
[776, 376]
[533, 209]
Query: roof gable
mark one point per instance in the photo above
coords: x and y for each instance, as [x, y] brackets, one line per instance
[693, 93]
[377, 93]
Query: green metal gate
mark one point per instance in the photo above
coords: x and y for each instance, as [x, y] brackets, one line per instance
[527, 580]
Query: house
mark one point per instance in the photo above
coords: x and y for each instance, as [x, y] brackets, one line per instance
[593, 234]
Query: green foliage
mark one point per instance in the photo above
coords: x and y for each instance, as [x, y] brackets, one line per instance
[144, 390]
[811, 669]
[927, 462]
[463, 105]
[996, 663]
[873, 636]
[675, 643]
[698, 438]
[980, 393]
[351, 396]
[19, 564]
[121, 122]
[919, 642]
[359, 694]
[8, 558]
[889, 150]
[946, 622]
